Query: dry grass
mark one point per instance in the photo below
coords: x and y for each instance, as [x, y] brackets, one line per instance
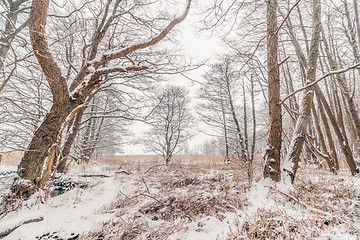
[10, 159]
[280, 225]
[171, 197]
[166, 199]
[322, 206]
[118, 159]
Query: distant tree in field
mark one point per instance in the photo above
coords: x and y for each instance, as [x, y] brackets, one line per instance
[214, 107]
[171, 120]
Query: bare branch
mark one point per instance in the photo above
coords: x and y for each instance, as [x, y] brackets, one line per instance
[319, 79]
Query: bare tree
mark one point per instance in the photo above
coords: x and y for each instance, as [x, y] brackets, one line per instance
[224, 108]
[170, 122]
[330, 106]
[69, 97]
[214, 108]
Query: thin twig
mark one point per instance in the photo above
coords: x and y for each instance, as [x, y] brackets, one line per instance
[283, 61]
[147, 195]
[158, 165]
[147, 188]
[286, 17]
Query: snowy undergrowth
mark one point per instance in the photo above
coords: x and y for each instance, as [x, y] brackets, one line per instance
[319, 206]
[193, 200]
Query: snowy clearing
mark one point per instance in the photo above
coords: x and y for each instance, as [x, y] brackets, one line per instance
[190, 199]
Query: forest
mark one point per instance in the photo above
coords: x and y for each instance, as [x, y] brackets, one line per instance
[179, 119]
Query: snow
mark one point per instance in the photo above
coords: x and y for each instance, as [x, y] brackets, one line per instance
[5, 168]
[95, 60]
[74, 212]
[141, 203]
[209, 228]
[18, 221]
[7, 175]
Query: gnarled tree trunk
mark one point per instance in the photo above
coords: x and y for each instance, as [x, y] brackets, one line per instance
[31, 164]
[45, 136]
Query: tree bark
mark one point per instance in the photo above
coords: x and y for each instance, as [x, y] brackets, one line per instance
[272, 154]
[329, 136]
[320, 136]
[45, 136]
[357, 21]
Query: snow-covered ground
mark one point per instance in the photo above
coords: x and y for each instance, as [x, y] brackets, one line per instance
[187, 200]
[75, 212]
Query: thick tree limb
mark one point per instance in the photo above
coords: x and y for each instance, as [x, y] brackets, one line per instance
[57, 82]
[99, 61]
[155, 40]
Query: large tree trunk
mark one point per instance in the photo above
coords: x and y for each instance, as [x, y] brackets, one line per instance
[45, 136]
[292, 159]
[272, 154]
[297, 142]
[31, 164]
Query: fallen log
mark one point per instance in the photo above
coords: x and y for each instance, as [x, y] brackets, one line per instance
[124, 172]
[95, 175]
[7, 228]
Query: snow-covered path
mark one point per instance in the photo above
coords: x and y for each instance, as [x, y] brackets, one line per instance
[75, 212]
